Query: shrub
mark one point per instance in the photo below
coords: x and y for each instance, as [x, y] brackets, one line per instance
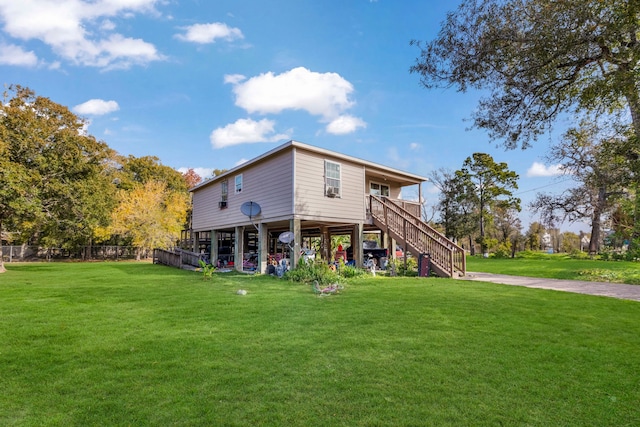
[350, 272]
[633, 253]
[206, 269]
[578, 254]
[503, 250]
[410, 270]
[307, 271]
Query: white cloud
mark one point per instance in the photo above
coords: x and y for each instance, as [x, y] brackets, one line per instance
[345, 124]
[245, 131]
[15, 55]
[79, 30]
[209, 33]
[122, 52]
[539, 169]
[96, 107]
[320, 94]
[414, 146]
[234, 78]
[241, 162]
[326, 95]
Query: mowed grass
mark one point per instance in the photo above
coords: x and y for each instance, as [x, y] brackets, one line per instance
[139, 344]
[558, 266]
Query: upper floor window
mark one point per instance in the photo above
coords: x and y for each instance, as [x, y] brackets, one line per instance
[224, 190]
[379, 189]
[332, 178]
[238, 180]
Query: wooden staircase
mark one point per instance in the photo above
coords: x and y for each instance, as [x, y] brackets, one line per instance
[418, 237]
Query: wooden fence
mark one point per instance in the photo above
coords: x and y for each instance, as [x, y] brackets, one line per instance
[36, 253]
[178, 258]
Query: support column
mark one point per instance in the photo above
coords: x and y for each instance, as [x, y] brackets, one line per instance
[195, 241]
[263, 248]
[213, 254]
[325, 244]
[294, 226]
[392, 248]
[358, 252]
[238, 254]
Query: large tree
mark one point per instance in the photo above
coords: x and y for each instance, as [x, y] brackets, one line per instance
[149, 216]
[53, 176]
[601, 173]
[539, 59]
[488, 184]
[456, 207]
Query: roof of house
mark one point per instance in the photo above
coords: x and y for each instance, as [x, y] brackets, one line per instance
[405, 178]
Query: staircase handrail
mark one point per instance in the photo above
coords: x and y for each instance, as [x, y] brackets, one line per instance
[418, 234]
[429, 229]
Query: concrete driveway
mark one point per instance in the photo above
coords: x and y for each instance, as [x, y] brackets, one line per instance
[613, 290]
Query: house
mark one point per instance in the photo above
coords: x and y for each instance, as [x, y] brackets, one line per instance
[270, 206]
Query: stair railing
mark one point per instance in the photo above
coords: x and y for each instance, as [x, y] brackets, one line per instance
[418, 235]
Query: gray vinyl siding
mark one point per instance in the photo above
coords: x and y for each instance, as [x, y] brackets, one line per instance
[268, 183]
[310, 199]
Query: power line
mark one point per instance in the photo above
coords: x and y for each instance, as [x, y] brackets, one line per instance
[544, 186]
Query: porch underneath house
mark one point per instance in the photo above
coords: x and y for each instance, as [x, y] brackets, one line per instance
[394, 222]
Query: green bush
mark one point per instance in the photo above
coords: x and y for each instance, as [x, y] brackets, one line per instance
[206, 269]
[503, 250]
[309, 271]
[633, 253]
[578, 254]
[350, 272]
[410, 270]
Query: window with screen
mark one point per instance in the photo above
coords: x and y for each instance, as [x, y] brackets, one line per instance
[332, 178]
[224, 190]
[238, 180]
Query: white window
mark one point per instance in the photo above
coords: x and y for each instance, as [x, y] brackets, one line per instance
[379, 189]
[238, 180]
[224, 190]
[332, 179]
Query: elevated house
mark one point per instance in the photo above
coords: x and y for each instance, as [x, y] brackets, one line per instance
[302, 192]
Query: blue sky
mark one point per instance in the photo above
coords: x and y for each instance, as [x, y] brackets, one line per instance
[209, 84]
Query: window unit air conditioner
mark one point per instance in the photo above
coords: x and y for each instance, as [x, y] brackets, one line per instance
[333, 192]
[222, 205]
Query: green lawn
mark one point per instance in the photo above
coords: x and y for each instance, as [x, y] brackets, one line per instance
[137, 344]
[558, 266]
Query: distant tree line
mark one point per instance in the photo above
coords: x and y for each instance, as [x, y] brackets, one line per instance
[477, 207]
[60, 187]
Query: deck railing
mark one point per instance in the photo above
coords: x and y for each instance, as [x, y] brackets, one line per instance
[418, 236]
[177, 257]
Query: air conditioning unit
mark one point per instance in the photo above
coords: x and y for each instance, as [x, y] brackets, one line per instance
[222, 205]
[333, 192]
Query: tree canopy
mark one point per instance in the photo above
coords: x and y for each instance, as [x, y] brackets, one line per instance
[601, 173]
[60, 187]
[538, 59]
[53, 179]
[488, 185]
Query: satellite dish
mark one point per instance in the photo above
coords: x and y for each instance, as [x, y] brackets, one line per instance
[286, 237]
[250, 209]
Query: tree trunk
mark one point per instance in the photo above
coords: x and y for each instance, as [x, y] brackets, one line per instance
[634, 108]
[594, 242]
[2, 269]
[472, 248]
